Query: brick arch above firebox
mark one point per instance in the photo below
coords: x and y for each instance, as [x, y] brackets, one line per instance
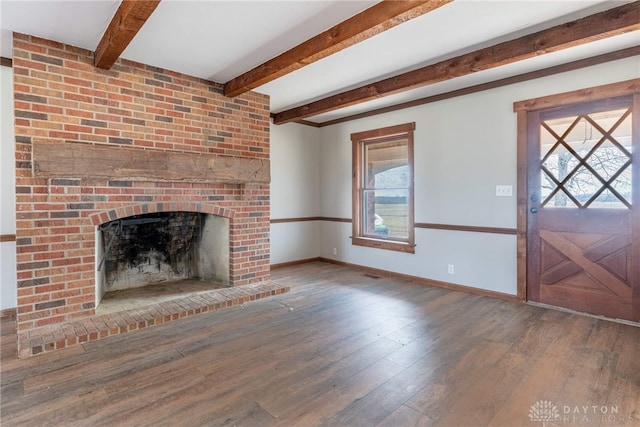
[146, 208]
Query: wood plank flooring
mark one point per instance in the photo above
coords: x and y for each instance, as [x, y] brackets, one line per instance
[340, 349]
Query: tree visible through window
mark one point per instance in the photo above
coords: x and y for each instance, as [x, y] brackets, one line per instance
[586, 160]
[383, 188]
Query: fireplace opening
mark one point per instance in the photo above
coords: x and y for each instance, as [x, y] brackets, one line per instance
[144, 259]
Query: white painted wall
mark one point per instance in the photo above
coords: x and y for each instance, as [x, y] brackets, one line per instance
[464, 147]
[8, 291]
[295, 181]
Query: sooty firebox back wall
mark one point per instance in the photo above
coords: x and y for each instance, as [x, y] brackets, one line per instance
[151, 248]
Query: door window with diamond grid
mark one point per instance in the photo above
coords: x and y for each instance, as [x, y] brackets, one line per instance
[582, 198]
[586, 160]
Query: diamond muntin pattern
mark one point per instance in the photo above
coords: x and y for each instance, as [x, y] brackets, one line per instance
[587, 160]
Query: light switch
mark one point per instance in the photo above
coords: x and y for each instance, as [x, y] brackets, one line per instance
[504, 190]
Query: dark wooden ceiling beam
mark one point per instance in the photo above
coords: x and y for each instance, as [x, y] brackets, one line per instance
[609, 23]
[129, 18]
[532, 75]
[374, 20]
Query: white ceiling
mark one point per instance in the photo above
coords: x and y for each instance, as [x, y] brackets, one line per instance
[219, 40]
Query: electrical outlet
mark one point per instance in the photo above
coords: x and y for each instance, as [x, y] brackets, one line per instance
[335, 251]
[450, 269]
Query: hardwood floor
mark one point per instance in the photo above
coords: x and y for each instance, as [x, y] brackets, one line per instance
[341, 349]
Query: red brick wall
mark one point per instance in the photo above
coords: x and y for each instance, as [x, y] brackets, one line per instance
[60, 97]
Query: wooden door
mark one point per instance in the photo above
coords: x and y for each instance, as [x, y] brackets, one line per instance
[582, 233]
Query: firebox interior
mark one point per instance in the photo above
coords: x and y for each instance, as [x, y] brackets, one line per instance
[176, 250]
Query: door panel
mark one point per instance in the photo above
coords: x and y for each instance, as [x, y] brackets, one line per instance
[580, 234]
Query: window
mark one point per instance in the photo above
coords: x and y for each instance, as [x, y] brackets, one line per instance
[383, 188]
[586, 159]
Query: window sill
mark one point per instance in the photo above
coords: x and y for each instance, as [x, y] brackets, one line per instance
[384, 244]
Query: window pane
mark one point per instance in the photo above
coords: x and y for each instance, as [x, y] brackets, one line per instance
[622, 184]
[561, 200]
[386, 213]
[386, 164]
[588, 157]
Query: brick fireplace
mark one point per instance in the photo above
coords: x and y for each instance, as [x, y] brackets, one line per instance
[94, 146]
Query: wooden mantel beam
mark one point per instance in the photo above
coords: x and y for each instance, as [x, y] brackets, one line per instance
[605, 24]
[73, 160]
[374, 20]
[129, 18]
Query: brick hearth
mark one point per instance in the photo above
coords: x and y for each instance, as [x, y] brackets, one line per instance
[61, 335]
